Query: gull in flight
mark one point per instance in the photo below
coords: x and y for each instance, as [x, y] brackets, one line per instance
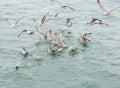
[97, 21]
[14, 25]
[104, 11]
[53, 36]
[83, 38]
[26, 31]
[54, 18]
[44, 33]
[63, 5]
[42, 21]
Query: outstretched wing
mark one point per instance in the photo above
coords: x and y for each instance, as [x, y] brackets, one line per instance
[57, 1]
[19, 20]
[101, 7]
[44, 18]
[80, 34]
[69, 7]
[49, 19]
[8, 21]
[56, 15]
[113, 9]
[21, 33]
[40, 31]
[86, 34]
[95, 19]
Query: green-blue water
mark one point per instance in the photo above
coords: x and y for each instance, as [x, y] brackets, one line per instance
[94, 66]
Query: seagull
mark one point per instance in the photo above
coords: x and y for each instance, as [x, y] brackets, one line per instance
[14, 25]
[50, 50]
[36, 57]
[68, 22]
[73, 48]
[97, 21]
[44, 18]
[62, 44]
[18, 64]
[24, 51]
[38, 40]
[44, 33]
[42, 21]
[54, 18]
[63, 5]
[83, 38]
[104, 11]
[26, 31]
[60, 49]
[53, 36]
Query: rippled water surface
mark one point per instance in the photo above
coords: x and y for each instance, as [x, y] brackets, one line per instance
[96, 65]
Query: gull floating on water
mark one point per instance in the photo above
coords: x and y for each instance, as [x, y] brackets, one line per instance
[14, 25]
[73, 48]
[18, 64]
[36, 57]
[50, 50]
[104, 11]
[60, 49]
[63, 5]
[62, 44]
[24, 51]
[68, 22]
